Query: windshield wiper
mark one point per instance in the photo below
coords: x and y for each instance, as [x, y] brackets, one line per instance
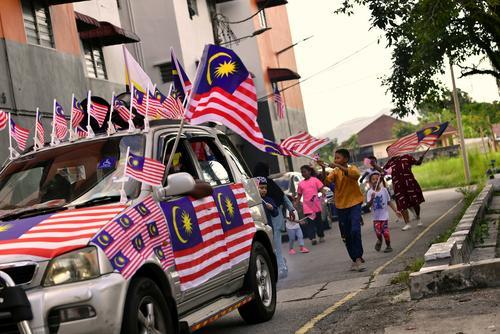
[99, 200]
[31, 213]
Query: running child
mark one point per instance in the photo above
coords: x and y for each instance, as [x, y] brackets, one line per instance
[295, 232]
[379, 199]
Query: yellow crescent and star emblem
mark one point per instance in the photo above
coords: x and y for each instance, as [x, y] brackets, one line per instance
[186, 224]
[104, 239]
[5, 228]
[120, 261]
[224, 69]
[152, 229]
[227, 207]
[431, 130]
[138, 242]
[125, 221]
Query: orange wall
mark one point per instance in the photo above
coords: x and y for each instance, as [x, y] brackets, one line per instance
[12, 24]
[276, 39]
[63, 25]
[66, 35]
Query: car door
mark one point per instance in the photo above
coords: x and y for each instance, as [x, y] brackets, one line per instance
[206, 287]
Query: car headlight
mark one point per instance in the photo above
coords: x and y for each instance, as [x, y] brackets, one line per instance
[74, 266]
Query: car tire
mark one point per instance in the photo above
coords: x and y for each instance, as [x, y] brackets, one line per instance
[261, 281]
[146, 309]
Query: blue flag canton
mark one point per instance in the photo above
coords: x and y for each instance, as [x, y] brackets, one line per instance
[59, 109]
[77, 105]
[152, 228]
[272, 148]
[142, 209]
[124, 221]
[119, 261]
[160, 254]
[182, 224]
[135, 162]
[159, 96]
[103, 240]
[228, 208]
[138, 242]
[221, 68]
[436, 130]
[139, 96]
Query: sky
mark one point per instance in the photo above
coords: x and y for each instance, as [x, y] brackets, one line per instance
[352, 88]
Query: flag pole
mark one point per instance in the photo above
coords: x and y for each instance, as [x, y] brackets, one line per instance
[53, 135]
[10, 139]
[35, 138]
[90, 132]
[146, 120]
[110, 122]
[131, 126]
[123, 194]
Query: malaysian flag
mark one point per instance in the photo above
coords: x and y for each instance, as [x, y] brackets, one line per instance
[280, 105]
[145, 170]
[155, 105]
[49, 235]
[410, 143]
[77, 113]
[139, 101]
[20, 134]
[4, 118]
[122, 110]
[133, 236]
[61, 125]
[40, 132]
[224, 92]
[182, 84]
[171, 106]
[275, 149]
[99, 112]
[303, 143]
[81, 133]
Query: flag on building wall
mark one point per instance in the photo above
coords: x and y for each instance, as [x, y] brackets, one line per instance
[133, 236]
[19, 134]
[4, 118]
[134, 73]
[224, 93]
[145, 170]
[99, 112]
[303, 144]
[61, 125]
[280, 105]
[410, 143]
[182, 84]
[77, 113]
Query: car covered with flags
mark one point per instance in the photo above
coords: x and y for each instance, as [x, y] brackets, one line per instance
[94, 238]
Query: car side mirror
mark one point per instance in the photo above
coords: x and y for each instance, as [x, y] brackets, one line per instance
[177, 184]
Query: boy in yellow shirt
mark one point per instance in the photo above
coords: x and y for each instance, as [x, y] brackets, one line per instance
[348, 200]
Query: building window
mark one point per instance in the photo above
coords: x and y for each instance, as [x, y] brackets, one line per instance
[192, 8]
[166, 72]
[94, 61]
[262, 18]
[37, 23]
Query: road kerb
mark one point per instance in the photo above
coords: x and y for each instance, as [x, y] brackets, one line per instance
[311, 323]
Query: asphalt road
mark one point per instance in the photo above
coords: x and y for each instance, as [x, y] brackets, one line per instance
[321, 278]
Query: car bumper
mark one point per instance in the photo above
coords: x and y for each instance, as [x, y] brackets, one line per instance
[104, 295]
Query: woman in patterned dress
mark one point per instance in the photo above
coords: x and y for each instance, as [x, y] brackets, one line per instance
[407, 191]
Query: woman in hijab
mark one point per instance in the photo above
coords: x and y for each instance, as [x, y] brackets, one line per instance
[281, 201]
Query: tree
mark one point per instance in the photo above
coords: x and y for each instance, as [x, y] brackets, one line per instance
[424, 33]
[326, 152]
[352, 145]
[402, 129]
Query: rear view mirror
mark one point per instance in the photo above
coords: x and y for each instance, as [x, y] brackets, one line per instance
[177, 184]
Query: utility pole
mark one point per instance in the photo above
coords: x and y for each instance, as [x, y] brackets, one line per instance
[460, 127]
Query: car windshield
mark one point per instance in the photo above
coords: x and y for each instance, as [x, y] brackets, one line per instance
[71, 174]
[283, 183]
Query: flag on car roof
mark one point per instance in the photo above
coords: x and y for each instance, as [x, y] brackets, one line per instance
[40, 132]
[19, 134]
[99, 112]
[182, 84]
[144, 169]
[224, 93]
[3, 119]
[424, 137]
[122, 110]
[139, 101]
[303, 144]
[81, 133]
[280, 105]
[77, 113]
[61, 125]
[171, 106]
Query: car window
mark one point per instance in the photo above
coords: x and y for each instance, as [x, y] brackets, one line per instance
[182, 161]
[235, 156]
[213, 165]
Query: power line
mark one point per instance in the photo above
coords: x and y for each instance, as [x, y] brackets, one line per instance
[338, 62]
[248, 18]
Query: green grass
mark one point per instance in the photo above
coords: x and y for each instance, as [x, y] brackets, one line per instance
[404, 276]
[469, 196]
[449, 172]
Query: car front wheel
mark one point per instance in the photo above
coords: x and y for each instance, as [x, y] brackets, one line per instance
[260, 280]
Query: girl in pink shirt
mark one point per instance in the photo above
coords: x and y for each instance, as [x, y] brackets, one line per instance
[309, 189]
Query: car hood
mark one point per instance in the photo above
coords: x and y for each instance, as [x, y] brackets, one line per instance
[46, 236]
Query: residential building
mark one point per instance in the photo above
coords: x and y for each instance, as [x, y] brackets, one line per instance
[52, 49]
[188, 25]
